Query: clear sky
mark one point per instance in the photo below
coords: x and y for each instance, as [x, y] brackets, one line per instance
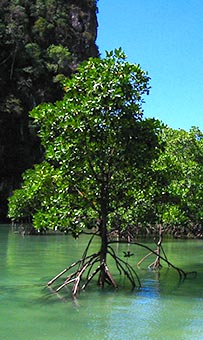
[166, 38]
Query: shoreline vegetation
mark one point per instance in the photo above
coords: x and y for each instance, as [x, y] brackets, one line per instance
[130, 234]
[88, 262]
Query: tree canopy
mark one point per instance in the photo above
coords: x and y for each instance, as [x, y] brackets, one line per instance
[97, 146]
[181, 164]
[173, 197]
[102, 154]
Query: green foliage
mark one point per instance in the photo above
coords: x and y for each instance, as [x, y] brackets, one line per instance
[175, 194]
[97, 146]
[59, 59]
[41, 42]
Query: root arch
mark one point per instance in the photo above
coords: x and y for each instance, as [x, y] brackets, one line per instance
[80, 273]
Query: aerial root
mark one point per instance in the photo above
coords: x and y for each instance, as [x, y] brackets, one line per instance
[75, 277]
[105, 276]
[125, 267]
[93, 265]
[81, 272]
[182, 274]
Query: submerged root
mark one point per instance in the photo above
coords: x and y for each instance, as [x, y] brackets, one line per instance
[182, 274]
[93, 265]
[102, 270]
[80, 273]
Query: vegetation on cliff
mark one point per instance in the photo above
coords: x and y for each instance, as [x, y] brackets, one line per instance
[40, 43]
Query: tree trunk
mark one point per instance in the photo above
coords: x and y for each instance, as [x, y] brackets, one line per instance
[103, 234]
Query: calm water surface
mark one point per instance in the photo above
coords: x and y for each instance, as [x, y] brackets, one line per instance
[163, 308]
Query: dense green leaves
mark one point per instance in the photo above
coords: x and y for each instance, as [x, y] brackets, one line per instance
[186, 187]
[102, 158]
[41, 42]
[96, 142]
[175, 195]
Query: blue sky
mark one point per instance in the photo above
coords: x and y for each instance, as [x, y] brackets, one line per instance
[166, 38]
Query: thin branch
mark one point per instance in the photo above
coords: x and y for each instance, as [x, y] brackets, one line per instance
[128, 273]
[96, 260]
[131, 270]
[91, 276]
[63, 272]
[78, 278]
[114, 257]
[163, 251]
[109, 276]
[87, 248]
[64, 284]
[181, 272]
[68, 268]
[144, 258]
[85, 197]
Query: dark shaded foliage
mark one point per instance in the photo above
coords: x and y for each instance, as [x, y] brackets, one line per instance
[40, 42]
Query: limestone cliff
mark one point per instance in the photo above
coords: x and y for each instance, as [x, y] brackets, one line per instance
[40, 42]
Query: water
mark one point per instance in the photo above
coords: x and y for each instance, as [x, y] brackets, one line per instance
[163, 308]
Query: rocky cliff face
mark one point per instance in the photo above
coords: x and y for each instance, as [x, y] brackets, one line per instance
[41, 41]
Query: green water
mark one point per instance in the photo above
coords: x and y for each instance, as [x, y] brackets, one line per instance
[163, 308]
